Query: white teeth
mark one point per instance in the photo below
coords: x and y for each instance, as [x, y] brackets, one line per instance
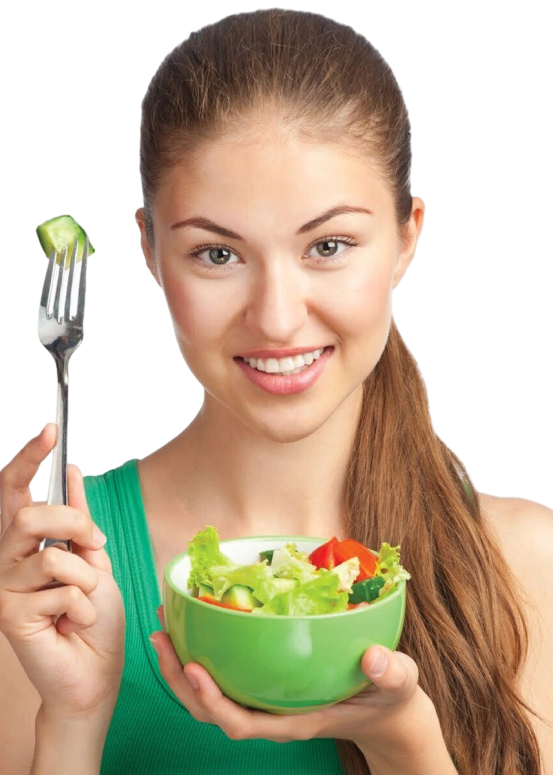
[285, 366]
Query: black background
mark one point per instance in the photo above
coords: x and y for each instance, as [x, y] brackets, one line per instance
[474, 306]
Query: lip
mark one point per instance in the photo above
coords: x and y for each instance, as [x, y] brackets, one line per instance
[285, 385]
[280, 353]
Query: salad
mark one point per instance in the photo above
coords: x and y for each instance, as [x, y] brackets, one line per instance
[337, 576]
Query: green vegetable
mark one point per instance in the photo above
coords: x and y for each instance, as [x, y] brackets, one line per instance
[61, 232]
[241, 597]
[268, 555]
[367, 590]
[289, 563]
[205, 557]
[319, 596]
[389, 568]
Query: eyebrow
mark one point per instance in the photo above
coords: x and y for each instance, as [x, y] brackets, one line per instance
[208, 225]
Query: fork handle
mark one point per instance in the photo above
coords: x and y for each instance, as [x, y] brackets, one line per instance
[57, 480]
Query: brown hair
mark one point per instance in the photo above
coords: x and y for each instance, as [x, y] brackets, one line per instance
[464, 626]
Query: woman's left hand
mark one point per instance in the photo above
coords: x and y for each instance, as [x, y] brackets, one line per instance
[390, 710]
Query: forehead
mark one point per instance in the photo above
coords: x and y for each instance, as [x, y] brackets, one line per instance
[273, 177]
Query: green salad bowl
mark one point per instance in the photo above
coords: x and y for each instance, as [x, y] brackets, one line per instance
[280, 664]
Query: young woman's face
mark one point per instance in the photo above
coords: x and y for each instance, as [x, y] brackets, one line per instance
[286, 279]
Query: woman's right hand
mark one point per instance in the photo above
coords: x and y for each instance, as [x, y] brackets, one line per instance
[70, 640]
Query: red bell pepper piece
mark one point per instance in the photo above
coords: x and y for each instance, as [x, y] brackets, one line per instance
[349, 548]
[323, 556]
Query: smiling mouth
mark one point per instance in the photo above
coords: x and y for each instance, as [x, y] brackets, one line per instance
[285, 366]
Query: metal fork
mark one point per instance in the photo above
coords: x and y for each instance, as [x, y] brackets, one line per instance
[61, 334]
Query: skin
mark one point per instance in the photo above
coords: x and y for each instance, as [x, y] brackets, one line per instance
[278, 291]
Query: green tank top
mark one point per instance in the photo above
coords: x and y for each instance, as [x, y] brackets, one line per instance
[151, 732]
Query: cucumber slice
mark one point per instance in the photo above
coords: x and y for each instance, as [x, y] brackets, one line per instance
[204, 589]
[241, 597]
[366, 591]
[61, 232]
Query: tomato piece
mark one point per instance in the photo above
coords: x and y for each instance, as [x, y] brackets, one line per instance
[323, 556]
[345, 550]
[209, 599]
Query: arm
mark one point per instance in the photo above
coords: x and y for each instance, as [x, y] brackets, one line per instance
[415, 745]
[70, 745]
[428, 757]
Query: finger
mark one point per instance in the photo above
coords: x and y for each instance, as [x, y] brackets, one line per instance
[396, 676]
[33, 573]
[20, 613]
[160, 615]
[172, 671]
[17, 475]
[31, 523]
[207, 702]
[76, 497]
[241, 723]
[200, 694]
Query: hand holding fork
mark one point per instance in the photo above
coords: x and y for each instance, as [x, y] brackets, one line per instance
[61, 334]
[70, 640]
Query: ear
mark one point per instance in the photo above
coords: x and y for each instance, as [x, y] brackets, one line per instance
[411, 233]
[140, 216]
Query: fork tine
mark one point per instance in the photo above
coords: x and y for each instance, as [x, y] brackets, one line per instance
[82, 286]
[59, 284]
[69, 293]
[47, 282]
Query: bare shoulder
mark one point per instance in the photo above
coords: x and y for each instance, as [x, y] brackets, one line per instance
[519, 522]
[524, 530]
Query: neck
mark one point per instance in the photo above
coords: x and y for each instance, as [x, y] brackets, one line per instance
[247, 484]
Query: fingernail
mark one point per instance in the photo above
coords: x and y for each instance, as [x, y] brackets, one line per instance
[155, 645]
[98, 537]
[192, 680]
[378, 663]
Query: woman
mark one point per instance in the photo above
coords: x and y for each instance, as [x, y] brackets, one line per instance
[278, 219]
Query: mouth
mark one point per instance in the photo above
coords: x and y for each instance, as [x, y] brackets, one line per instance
[293, 362]
[277, 354]
[288, 374]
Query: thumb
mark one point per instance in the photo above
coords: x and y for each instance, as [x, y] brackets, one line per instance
[76, 497]
[393, 673]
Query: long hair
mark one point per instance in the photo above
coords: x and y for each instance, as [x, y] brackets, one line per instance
[464, 626]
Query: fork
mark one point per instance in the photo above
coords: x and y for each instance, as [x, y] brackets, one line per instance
[61, 334]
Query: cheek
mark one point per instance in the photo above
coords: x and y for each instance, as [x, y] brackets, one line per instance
[361, 302]
[200, 312]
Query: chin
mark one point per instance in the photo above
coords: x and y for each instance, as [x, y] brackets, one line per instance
[286, 427]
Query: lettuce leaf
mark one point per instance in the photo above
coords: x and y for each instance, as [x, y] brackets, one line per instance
[319, 596]
[205, 557]
[289, 563]
[389, 568]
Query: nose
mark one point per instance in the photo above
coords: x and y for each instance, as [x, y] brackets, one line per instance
[277, 306]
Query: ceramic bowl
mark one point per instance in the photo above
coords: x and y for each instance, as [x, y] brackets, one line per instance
[280, 664]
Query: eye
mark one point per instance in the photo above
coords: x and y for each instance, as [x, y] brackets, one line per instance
[213, 254]
[330, 246]
[219, 258]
